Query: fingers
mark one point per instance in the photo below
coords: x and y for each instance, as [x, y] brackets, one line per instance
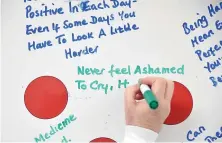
[169, 90]
[130, 94]
[158, 86]
[149, 80]
[139, 96]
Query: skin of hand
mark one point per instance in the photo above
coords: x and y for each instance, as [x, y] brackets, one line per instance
[138, 112]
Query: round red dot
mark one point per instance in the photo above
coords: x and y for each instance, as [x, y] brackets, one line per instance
[181, 105]
[103, 139]
[46, 97]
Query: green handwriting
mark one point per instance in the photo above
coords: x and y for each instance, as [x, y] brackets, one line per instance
[99, 86]
[89, 71]
[141, 70]
[54, 129]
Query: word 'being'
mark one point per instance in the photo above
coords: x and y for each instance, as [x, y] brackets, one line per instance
[98, 86]
[192, 135]
[138, 70]
[202, 22]
[55, 129]
[216, 80]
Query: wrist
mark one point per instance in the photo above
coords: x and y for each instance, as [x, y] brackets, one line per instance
[155, 127]
[139, 134]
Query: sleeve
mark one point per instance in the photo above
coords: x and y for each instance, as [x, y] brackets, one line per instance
[134, 134]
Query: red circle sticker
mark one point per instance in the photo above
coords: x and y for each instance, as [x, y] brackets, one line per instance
[103, 139]
[46, 97]
[181, 105]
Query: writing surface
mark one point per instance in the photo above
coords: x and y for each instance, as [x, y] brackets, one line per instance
[97, 53]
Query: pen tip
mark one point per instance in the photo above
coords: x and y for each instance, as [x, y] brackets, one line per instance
[139, 82]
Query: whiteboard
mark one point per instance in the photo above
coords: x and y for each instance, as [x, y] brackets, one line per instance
[122, 40]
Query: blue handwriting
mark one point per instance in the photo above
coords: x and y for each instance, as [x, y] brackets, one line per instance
[214, 9]
[201, 38]
[80, 37]
[218, 135]
[218, 25]
[40, 45]
[100, 19]
[68, 25]
[121, 29]
[201, 22]
[88, 50]
[210, 52]
[126, 3]
[125, 15]
[192, 135]
[31, 13]
[87, 7]
[211, 66]
[33, 30]
[216, 80]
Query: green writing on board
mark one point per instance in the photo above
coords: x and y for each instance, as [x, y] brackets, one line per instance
[129, 70]
[116, 72]
[54, 129]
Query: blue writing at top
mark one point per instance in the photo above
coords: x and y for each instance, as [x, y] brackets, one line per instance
[40, 45]
[45, 11]
[201, 22]
[80, 37]
[33, 30]
[124, 15]
[73, 8]
[123, 3]
[67, 24]
[86, 6]
[122, 29]
[213, 10]
[61, 39]
[100, 19]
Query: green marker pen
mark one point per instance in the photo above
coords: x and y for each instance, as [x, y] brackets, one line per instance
[149, 96]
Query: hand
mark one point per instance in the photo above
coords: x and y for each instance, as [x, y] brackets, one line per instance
[138, 112]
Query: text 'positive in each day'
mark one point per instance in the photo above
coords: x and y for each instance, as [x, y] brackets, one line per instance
[85, 6]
